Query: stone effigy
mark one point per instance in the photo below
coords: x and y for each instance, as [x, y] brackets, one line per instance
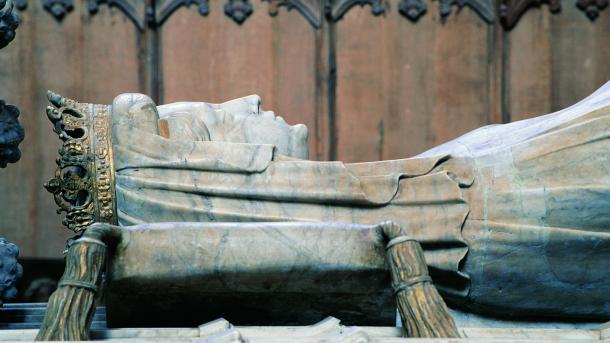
[512, 218]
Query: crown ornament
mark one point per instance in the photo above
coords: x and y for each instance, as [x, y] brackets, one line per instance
[83, 186]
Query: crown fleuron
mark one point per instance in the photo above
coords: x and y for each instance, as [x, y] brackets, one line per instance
[83, 186]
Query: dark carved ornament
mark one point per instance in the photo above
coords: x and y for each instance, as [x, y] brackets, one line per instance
[165, 8]
[312, 10]
[316, 11]
[10, 270]
[512, 10]
[592, 7]
[21, 4]
[58, 8]
[485, 8]
[412, 9]
[11, 134]
[337, 9]
[8, 22]
[238, 10]
[136, 12]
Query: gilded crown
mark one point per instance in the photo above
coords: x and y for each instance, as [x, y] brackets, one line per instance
[83, 186]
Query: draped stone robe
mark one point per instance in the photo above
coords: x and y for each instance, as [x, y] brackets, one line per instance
[513, 218]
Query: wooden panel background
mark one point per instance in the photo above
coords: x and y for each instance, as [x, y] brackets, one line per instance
[79, 57]
[403, 87]
[367, 87]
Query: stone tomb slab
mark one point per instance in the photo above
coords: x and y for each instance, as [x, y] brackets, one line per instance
[183, 274]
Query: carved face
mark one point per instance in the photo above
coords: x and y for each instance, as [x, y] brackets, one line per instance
[11, 134]
[238, 121]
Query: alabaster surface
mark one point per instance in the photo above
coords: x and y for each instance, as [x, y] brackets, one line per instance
[513, 219]
[174, 180]
[255, 273]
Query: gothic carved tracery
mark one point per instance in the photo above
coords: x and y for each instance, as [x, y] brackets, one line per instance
[312, 10]
[485, 8]
[412, 9]
[8, 22]
[58, 8]
[238, 10]
[512, 10]
[165, 8]
[136, 12]
[592, 7]
[337, 9]
[11, 131]
[11, 134]
[316, 11]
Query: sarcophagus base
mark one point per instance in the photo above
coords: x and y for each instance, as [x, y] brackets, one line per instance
[184, 274]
